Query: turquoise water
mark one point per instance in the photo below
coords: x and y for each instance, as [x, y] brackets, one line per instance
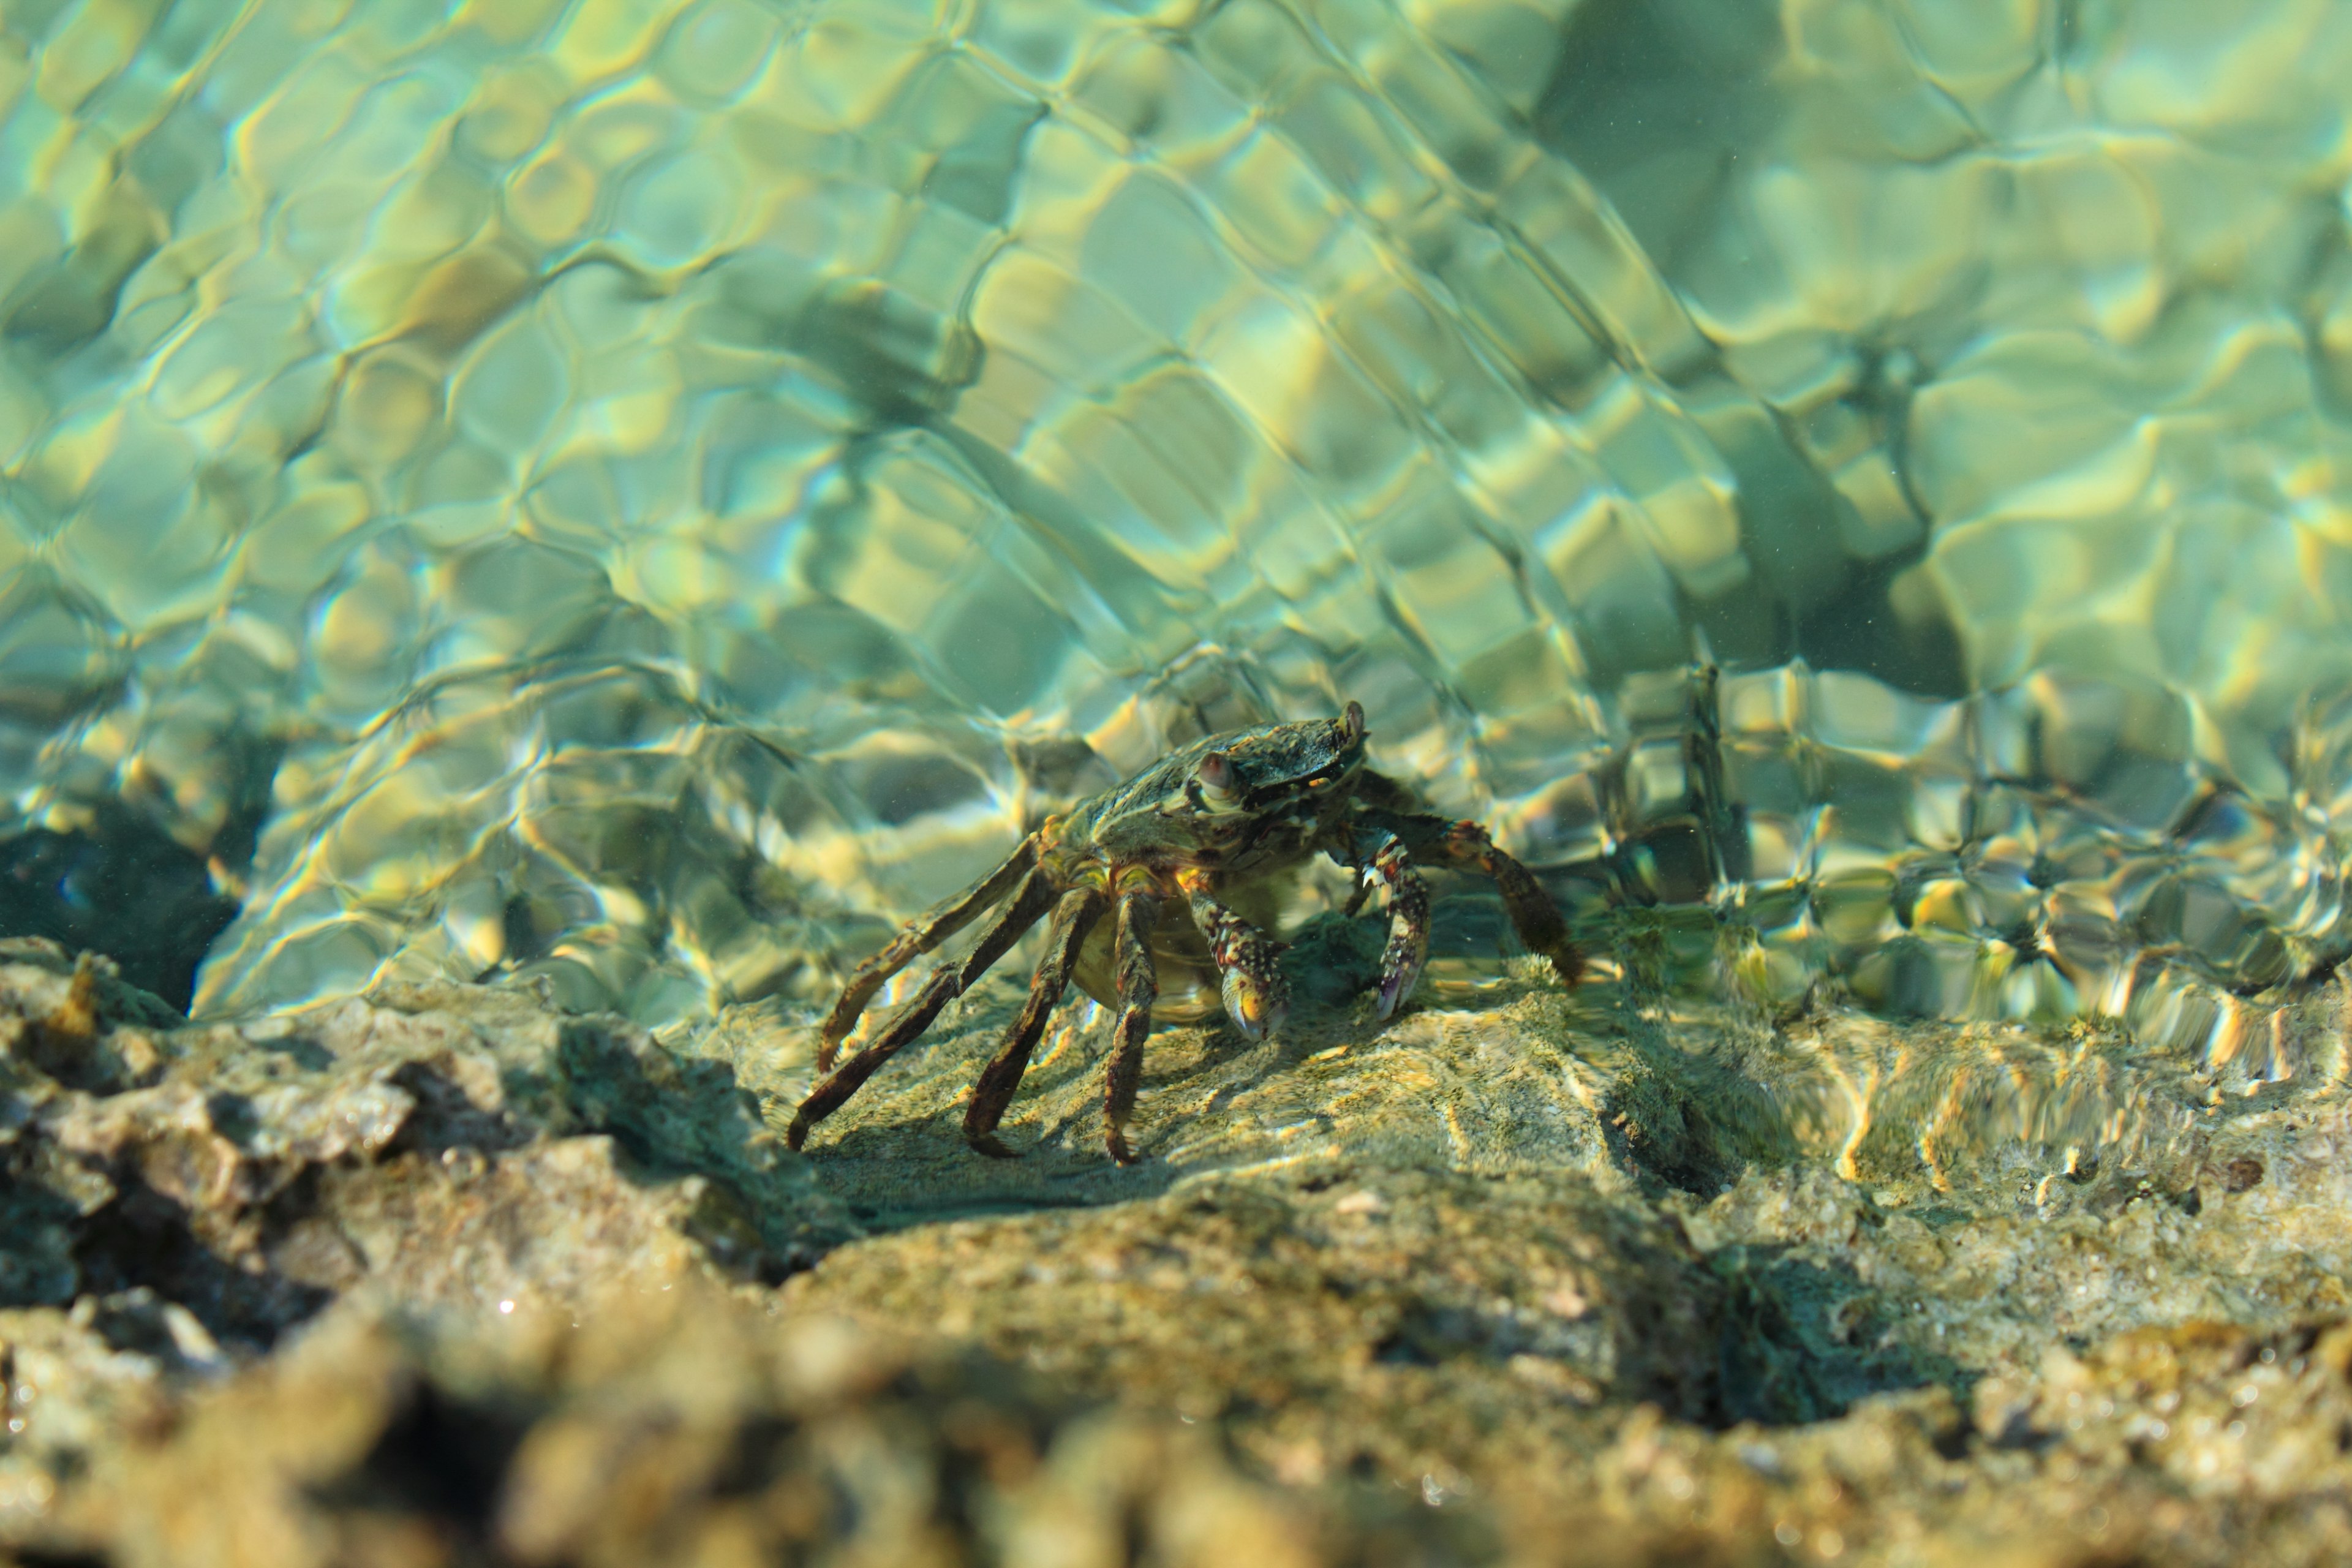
[650, 495]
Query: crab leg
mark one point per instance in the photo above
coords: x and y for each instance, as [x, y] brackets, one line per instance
[1073, 918]
[1407, 949]
[928, 929]
[1139, 985]
[1440, 840]
[1533, 915]
[1256, 996]
[947, 983]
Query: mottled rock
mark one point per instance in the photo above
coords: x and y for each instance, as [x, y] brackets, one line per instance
[179, 1197]
[1710, 1284]
[451, 1143]
[447, 1276]
[681, 1425]
[1390, 1317]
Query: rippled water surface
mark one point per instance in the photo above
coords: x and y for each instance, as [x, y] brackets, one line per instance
[650, 495]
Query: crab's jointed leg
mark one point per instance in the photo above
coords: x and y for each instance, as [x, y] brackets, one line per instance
[946, 982]
[928, 929]
[1074, 917]
[1139, 986]
[1465, 846]
[1533, 915]
[1407, 949]
[1257, 998]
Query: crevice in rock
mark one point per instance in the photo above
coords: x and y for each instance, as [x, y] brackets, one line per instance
[440, 1457]
[144, 1239]
[1691, 1121]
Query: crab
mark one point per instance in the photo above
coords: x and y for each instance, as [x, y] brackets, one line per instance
[1191, 859]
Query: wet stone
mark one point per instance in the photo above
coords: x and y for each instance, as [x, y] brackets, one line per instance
[1380, 1314]
[448, 1274]
[450, 1147]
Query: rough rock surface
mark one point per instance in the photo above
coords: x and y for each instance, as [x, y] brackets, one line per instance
[448, 1276]
[689, 1426]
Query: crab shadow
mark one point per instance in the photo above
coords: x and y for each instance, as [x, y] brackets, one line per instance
[907, 1164]
[896, 1153]
[1613, 1078]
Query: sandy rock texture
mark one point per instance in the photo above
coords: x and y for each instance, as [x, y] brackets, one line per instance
[449, 1276]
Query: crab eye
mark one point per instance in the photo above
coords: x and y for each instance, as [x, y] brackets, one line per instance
[1352, 720]
[1218, 779]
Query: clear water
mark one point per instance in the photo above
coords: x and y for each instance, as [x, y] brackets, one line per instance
[655, 493]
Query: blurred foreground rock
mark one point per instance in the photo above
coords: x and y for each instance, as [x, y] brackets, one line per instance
[449, 1277]
[681, 1427]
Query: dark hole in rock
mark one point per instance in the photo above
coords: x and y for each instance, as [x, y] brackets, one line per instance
[232, 1116]
[145, 1239]
[761, 1449]
[140, 1321]
[440, 1456]
[1693, 1122]
[1406, 1348]
[50, 1557]
[445, 1119]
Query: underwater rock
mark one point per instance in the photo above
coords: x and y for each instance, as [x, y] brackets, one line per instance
[121, 884]
[449, 1144]
[1673, 1281]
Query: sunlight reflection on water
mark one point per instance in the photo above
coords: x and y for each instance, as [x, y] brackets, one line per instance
[680, 486]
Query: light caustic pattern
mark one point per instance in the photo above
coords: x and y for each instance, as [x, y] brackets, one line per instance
[674, 487]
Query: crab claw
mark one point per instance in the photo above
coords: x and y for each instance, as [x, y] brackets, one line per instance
[1397, 977]
[1256, 1003]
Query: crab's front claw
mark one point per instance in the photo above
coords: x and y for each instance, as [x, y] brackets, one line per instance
[1400, 968]
[1408, 948]
[1256, 1000]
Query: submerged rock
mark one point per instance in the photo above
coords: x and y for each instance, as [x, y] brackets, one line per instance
[123, 883]
[180, 1197]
